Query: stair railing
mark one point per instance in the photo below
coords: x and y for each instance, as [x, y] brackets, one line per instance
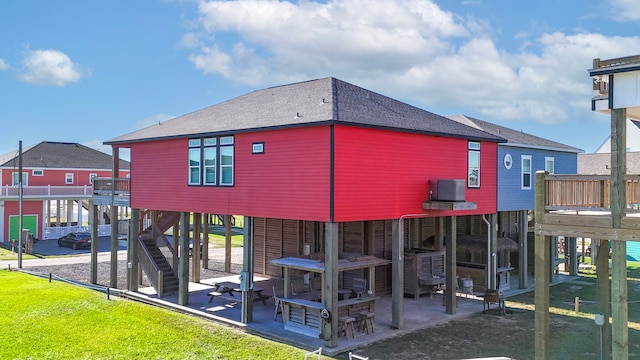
[150, 268]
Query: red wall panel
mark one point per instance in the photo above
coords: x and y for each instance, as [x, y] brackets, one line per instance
[385, 174]
[290, 180]
[12, 208]
[57, 177]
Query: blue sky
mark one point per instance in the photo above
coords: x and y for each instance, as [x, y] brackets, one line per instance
[88, 71]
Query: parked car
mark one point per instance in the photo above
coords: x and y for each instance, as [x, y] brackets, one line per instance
[76, 240]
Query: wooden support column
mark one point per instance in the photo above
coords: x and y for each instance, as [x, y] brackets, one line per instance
[438, 224]
[176, 237]
[132, 265]
[542, 274]
[397, 274]
[183, 261]
[205, 235]
[195, 250]
[619, 305]
[247, 272]
[114, 219]
[493, 219]
[94, 211]
[227, 243]
[330, 284]
[523, 233]
[601, 247]
[450, 265]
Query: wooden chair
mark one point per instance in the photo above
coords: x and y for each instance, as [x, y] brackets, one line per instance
[279, 305]
[359, 287]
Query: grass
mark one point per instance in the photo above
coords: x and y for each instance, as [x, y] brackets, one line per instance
[43, 320]
[7, 254]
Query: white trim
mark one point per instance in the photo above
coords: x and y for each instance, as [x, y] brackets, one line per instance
[33, 172]
[522, 172]
[553, 162]
[67, 177]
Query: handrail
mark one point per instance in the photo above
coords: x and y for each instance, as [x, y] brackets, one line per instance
[588, 192]
[150, 268]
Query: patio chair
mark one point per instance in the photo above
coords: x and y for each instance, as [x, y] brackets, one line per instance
[278, 303]
[359, 286]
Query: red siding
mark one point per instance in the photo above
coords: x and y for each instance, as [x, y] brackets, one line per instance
[289, 181]
[385, 174]
[11, 208]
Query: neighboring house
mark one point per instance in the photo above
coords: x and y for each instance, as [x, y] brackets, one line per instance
[518, 160]
[321, 169]
[633, 138]
[56, 181]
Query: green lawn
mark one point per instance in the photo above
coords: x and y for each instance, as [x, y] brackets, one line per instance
[42, 320]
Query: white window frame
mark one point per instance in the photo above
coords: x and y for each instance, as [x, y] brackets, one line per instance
[549, 160]
[68, 179]
[524, 172]
[214, 146]
[91, 176]
[25, 178]
[37, 172]
[473, 148]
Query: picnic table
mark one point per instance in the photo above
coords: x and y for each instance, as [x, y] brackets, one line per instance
[227, 288]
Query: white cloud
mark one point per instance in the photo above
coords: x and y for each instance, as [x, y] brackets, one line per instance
[50, 67]
[3, 65]
[625, 10]
[411, 50]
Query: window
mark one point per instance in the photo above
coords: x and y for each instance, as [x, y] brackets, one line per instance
[91, 176]
[211, 161]
[37, 172]
[15, 180]
[68, 178]
[257, 148]
[549, 164]
[473, 173]
[526, 171]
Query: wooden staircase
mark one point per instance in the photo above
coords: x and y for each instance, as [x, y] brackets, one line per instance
[156, 254]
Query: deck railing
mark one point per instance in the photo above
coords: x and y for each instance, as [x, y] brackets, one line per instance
[106, 191]
[49, 191]
[588, 192]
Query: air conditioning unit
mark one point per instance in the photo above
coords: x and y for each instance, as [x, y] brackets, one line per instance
[449, 190]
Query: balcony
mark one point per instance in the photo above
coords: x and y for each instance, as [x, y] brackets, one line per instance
[108, 191]
[45, 192]
[579, 206]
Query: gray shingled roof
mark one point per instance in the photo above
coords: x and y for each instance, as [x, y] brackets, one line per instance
[59, 155]
[514, 137]
[326, 100]
[600, 163]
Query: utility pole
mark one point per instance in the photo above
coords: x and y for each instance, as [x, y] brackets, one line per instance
[20, 243]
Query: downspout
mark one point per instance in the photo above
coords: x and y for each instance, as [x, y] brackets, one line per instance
[488, 251]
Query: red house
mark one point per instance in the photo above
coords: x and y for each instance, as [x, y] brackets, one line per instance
[56, 181]
[327, 175]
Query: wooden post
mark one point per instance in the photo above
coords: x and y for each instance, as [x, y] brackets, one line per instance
[247, 271]
[132, 266]
[619, 305]
[227, 243]
[523, 233]
[205, 248]
[542, 274]
[450, 265]
[183, 260]
[604, 290]
[492, 268]
[114, 219]
[397, 274]
[195, 252]
[94, 241]
[330, 289]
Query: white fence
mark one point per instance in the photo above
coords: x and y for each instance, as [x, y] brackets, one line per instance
[59, 231]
